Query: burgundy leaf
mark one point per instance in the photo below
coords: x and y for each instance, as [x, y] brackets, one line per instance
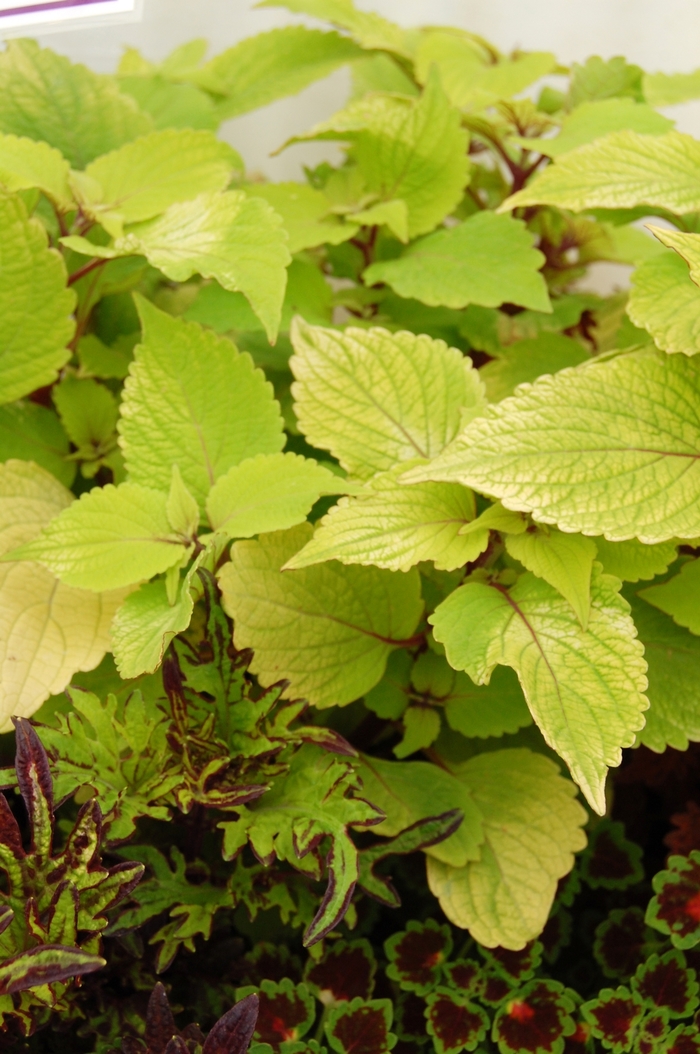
[556, 933]
[160, 1023]
[465, 974]
[684, 1041]
[620, 942]
[416, 955]
[613, 1017]
[687, 834]
[177, 1045]
[9, 829]
[270, 962]
[233, 1032]
[610, 860]
[34, 781]
[652, 1033]
[535, 1020]
[285, 1012]
[675, 909]
[410, 1017]
[454, 1022]
[361, 1027]
[515, 966]
[667, 982]
[345, 971]
[494, 988]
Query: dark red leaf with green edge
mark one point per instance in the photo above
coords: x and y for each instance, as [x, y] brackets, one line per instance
[233, 1032]
[675, 910]
[556, 933]
[419, 835]
[454, 1022]
[45, 965]
[667, 981]
[652, 1033]
[270, 962]
[286, 1011]
[35, 784]
[9, 829]
[579, 1040]
[535, 1019]
[345, 971]
[465, 974]
[361, 1027]
[416, 955]
[686, 837]
[515, 966]
[620, 942]
[613, 1018]
[494, 987]
[610, 861]
[569, 888]
[683, 1040]
[410, 1017]
[160, 1023]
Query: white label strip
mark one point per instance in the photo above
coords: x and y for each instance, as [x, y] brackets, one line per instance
[36, 13]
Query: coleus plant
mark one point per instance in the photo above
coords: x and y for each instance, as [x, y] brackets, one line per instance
[337, 525]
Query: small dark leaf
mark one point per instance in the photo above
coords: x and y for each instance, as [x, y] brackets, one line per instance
[345, 971]
[160, 1023]
[454, 1022]
[45, 965]
[666, 981]
[494, 988]
[515, 966]
[556, 934]
[535, 1020]
[687, 834]
[652, 1033]
[620, 941]
[177, 1045]
[416, 955]
[233, 1032]
[9, 829]
[361, 1027]
[270, 962]
[675, 909]
[410, 1018]
[465, 974]
[613, 1018]
[611, 861]
[419, 835]
[285, 1012]
[684, 1040]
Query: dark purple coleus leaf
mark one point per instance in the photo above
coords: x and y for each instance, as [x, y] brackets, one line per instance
[416, 955]
[466, 975]
[233, 1032]
[667, 981]
[610, 861]
[286, 1011]
[454, 1022]
[419, 835]
[536, 1019]
[687, 834]
[620, 942]
[556, 933]
[410, 1018]
[494, 988]
[675, 909]
[361, 1026]
[35, 785]
[160, 1023]
[652, 1033]
[345, 971]
[614, 1017]
[269, 962]
[568, 888]
[683, 1040]
[515, 966]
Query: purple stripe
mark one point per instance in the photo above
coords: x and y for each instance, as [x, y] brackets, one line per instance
[52, 5]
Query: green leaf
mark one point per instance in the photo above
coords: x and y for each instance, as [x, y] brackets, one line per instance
[584, 688]
[666, 302]
[144, 178]
[686, 245]
[305, 214]
[30, 432]
[88, 412]
[110, 537]
[102, 360]
[395, 526]
[171, 105]
[146, 623]
[35, 306]
[593, 120]
[192, 400]
[667, 89]
[328, 630]
[409, 149]
[632, 561]
[271, 65]
[380, 72]
[369, 29]
[483, 260]
[181, 508]
[605, 79]
[679, 596]
[620, 171]
[347, 400]
[526, 360]
[269, 492]
[531, 827]
[421, 727]
[485, 710]
[45, 97]
[565, 451]
[673, 660]
[410, 791]
[231, 237]
[25, 163]
[563, 560]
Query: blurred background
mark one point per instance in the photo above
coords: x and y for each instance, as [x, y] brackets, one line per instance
[656, 34]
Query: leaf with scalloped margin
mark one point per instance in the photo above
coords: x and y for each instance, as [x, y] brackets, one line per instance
[305, 214]
[25, 163]
[666, 302]
[633, 561]
[369, 29]
[678, 597]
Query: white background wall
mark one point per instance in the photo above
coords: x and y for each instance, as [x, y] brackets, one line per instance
[657, 34]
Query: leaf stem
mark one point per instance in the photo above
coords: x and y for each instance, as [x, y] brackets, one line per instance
[92, 265]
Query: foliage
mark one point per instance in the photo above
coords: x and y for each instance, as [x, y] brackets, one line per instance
[347, 550]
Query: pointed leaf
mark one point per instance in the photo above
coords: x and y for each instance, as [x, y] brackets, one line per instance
[420, 835]
[233, 1032]
[45, 965]
[564, 561]
[145, 624]
[596, 118]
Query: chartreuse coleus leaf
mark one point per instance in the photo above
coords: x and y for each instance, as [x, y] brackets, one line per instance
[563, 560]
[567, 452]
[484, 710]
[25, 163]
[598, 78]
[584, 687]
[45, 97]
[147, 621]
[29, 432]
[369, 29]
[192, 400]
[229, 236]
[391, 525]
[35, 305]
[305, 213]
[483, 260]
[666, 89]
[268, 66]
[328, 629]
[596, 118]
[412, 150]
[88, 412]
[526, 360]
[678, 597]
[142, 179]
[632, 561]
[313, 801]
[665, 301]
[48, 630]
[409, 792]
[532, 827]
[347, 400]
[620, 171]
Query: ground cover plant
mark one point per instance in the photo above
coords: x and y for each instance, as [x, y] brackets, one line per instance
[349, 634]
